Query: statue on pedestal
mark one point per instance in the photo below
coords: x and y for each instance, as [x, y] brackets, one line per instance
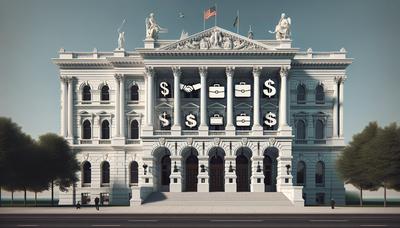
[152, 28]
[282, 29]
[121, 37]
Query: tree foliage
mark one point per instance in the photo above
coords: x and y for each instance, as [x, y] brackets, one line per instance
[372, 159]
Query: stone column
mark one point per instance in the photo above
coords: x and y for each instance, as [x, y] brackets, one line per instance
[230, 129]
[70, 109]
[122, 106]
[203, 178]
[257, 174]
[203, 128]
[230, 177]
[150, 96]
[257, 128]
[335, 113]
[64, 110]
[283, 125]
[176, 128]
[341, 90]
[117, 104]
[176, 177]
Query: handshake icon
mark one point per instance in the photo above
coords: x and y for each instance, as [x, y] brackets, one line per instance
[190, 88]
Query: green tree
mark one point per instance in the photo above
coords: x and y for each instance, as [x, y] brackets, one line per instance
[354, 165]
[384, 150]
[15, 154]
[62, 164]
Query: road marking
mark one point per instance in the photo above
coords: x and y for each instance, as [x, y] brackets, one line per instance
[329, 220]
[105, 225]
[27, 225]
[236, 220]
[142, 220]
[374, 225]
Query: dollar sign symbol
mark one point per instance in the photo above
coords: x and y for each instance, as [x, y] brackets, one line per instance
[270, 89]
[163, 119]
[164, 88]
[191, 120]
[270, 119]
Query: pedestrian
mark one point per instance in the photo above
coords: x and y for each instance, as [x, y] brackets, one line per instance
[96, 202]
[333, 203]
[78, 205]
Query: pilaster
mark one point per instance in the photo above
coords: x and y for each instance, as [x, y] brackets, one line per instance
[176, 128]
[203, 128]
[229, 129]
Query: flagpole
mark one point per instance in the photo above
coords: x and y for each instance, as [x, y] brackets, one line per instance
[216, 14]
[204, 22]
[237, 28]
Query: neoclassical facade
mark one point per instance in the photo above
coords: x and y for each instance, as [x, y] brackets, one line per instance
[215, 111]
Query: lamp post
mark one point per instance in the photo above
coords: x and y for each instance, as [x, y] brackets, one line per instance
[288, 169]
[202, 168]
[175, 167]
[145, 169]
[230, 167]
[258, 167]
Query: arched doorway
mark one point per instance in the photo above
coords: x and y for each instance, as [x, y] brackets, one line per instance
[165, 172]
[216, 169]
[243, 169]
[270, 168]
[192, 170]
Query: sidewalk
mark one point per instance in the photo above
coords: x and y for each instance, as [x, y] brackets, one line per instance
[201, 210]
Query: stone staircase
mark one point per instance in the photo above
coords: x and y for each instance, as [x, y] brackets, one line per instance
[217, 199]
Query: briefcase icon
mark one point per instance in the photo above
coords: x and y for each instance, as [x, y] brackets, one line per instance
[216, 91]
[242, 90]
[243, 120]
[216, 119]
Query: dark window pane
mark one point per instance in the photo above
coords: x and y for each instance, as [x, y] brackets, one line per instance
[86, 94]
[319, 129]
[320, 174]
[86, 173]
[105, 130]
[134, 171]
[319, 95]
[301, 173]
[300, 130]
[301, 94]
[135, 93]
[134, 130]
[87, 130]
[105, 93]
[105, 173]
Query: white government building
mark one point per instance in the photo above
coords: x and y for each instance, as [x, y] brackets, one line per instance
[211, 112]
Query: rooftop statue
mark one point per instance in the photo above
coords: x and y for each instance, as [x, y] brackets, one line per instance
[121, 37]
[152, 28]
[282, 29]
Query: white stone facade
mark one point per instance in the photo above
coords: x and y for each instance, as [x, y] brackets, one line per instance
[100, 130]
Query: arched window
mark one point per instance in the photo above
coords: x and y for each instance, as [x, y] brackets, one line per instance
[105, 93]
[134, 129]
[300, 130]
[87, 130]
[320, 174]
[86, 173]
[134, 173]
[86, 94]
[301, 94]
[134, 92]
[105, 130]
[319, 129]
[319, 94]
[301, 173]
[105, 172]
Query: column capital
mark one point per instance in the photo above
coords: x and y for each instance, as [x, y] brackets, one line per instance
[119, 77]
[284, 72]
[230, 70]
[149, 71]
[176, 70]
[203, 70]
[257, 71]
[342, 79]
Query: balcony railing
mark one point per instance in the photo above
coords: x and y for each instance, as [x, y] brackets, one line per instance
[104, 141]
[162, 132]
[216, 132]
[86, 141]
[133, 141]
[190, 132]
[243, 132]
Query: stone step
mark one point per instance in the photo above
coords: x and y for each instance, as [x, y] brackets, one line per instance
[217, 199]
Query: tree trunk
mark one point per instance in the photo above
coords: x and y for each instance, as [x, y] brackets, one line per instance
[361, 197]
[0, 197]
[12, 198]
[24, 197]
[52, 193]
[35, 199]
[384, 195]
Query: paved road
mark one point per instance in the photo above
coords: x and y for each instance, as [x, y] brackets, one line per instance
[194, 221]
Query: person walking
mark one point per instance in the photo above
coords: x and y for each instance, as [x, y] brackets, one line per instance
[78, 205]
[96, 202]
[333, 203]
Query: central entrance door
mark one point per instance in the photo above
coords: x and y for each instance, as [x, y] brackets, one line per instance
[192, 170]
[165, 173]
[242, 174]
[216, 174]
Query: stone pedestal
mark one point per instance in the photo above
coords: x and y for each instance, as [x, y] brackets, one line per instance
[230, 182]
[149, 43]
[202, 182]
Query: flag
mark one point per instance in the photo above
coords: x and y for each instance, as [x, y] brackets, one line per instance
[211, 12]
[236, 22]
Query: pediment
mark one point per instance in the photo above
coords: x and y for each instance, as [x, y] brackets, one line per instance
[216, 106]
[243, 106]
[215, 38]
[163, 106]
[269, 105]
[190, 106]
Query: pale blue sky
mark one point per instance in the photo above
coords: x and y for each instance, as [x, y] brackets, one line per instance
[31, 33]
